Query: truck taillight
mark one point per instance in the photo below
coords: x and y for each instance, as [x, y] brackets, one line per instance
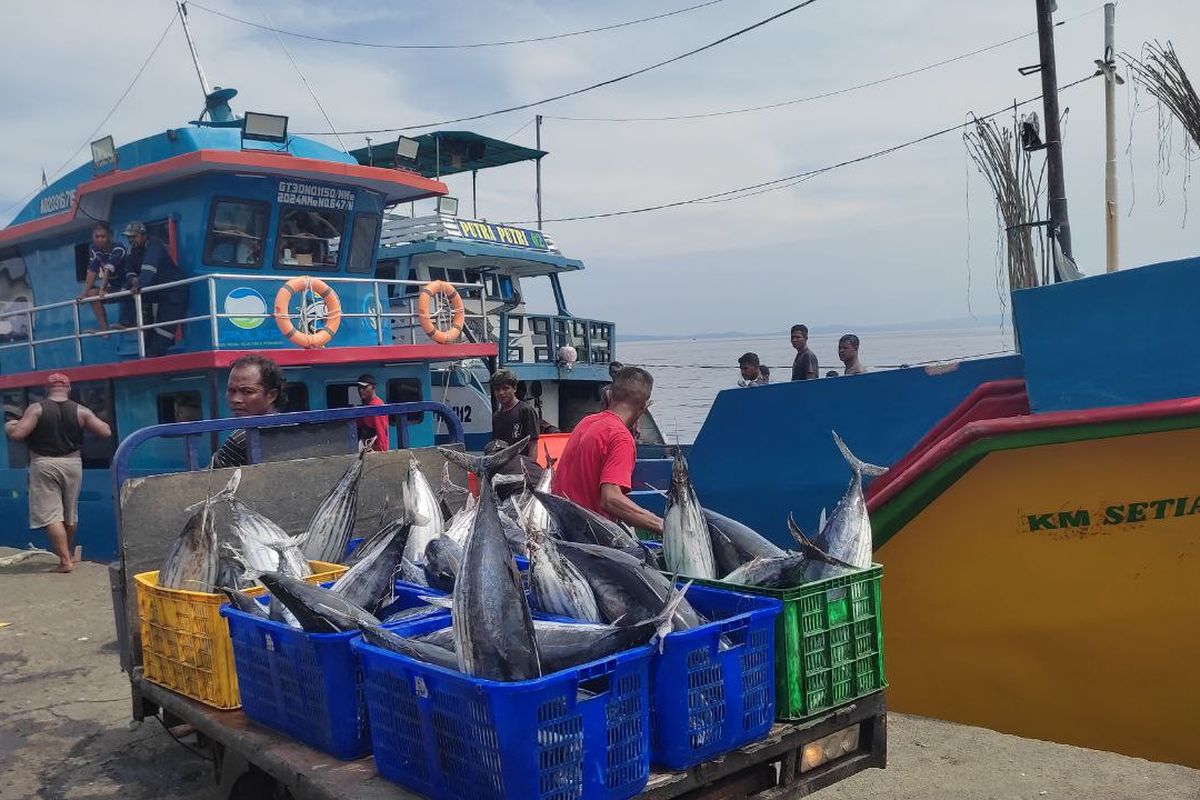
[827, 748]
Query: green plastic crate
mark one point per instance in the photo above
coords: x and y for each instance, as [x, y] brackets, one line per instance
[828, 642]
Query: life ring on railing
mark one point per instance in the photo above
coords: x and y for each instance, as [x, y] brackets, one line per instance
[332, 318]
[457, 316]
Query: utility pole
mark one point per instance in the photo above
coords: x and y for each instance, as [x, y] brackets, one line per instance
[1109, 69]
[1060, 225]
[537, 127]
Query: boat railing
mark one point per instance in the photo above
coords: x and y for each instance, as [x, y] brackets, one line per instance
[537, 338]
[402, 316]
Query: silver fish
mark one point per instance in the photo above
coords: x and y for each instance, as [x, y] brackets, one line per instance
[572, 522]
[423, 503]
[687, 546]
[556, 585]
[460, 524]
[332, 523]
[493, 630]
[261, 539]
[846, 536]
[776, 572]
[244, 602]
[192, 561]
[417, 649]
[443, 560]
[311, 604]
[533, 512]
[735, 544]
[371, 582]
[411, 573]
[231, 568]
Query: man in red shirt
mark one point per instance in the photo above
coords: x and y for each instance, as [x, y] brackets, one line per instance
[596, 466]
[371, 426]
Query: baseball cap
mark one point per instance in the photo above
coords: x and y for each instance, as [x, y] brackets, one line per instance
[366, 379]
[135, 227]
[58, 379]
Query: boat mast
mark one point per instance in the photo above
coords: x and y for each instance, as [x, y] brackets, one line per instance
[181, 5]
[1060, 225]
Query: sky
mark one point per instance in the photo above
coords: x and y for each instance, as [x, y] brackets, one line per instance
[906, 238]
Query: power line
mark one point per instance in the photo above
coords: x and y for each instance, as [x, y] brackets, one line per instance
[471, 45]
[787, 181]
[575, 92]
[823, 95]
[107, 117]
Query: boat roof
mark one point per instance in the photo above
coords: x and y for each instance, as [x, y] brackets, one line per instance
[461, 151]
[449, 241]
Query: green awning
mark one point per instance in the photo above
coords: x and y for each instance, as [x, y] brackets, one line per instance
[461, 151]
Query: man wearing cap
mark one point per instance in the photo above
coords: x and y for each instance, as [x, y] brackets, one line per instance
[371, 427]
[53, 430]
[150, 264]
[513, 420]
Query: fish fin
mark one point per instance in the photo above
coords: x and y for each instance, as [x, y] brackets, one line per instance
[810, 550]
[484, 465]
[856, 464]
[344, 621]
[235, 480]
[364, 447]
[655, 489]
[665, 619]
[550, 462]
[822, 521]
[441, 601]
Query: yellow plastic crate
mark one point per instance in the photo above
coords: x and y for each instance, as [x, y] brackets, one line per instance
[185, 642]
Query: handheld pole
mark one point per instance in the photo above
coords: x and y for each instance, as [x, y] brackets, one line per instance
[1110, 137]
[1060, 225]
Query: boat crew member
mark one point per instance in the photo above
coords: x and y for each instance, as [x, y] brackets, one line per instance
[149, 264]
[106, 267]
[804, 367]
[255, 386]
[596, 466]
[848, 353]
[53, 431]
[513, 420]
[371, 427]
[752, 371]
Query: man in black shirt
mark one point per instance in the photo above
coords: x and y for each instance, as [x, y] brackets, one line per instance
[513, 420]
[805, 367]
[147, 264]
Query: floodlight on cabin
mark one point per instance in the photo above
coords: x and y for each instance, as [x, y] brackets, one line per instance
[104, 153]
[264, 127]
[447, 205]
[406, 148]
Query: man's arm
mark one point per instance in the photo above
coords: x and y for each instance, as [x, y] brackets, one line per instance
[616, 504]
[532, 424]
[93, 424]
[19, 429]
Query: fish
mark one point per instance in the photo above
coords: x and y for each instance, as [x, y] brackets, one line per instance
[627, 589]
[443, 559]
[458, 526]
[310, 603]
[231, 568]
[412, 573]
[775, 572]
[244, 602]
[418, 649]
[735, 544]
[371, 582]
[846, 535]
[820, 565]
[556, 585]
[572, 522]
[451, 495]
[192, 561]
[332, 523]
[415, 612]
[493, 629]
[422, 502]
[261, 539]
[375, 540]
[687, 545]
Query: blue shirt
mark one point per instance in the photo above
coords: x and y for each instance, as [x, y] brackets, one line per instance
[110, 262]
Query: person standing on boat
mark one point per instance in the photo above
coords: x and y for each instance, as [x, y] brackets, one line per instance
[848, 353]
[371, 427]
[106, 267]
[752, 371]
[513, 420]
[596, 467]
[150, 264]
[255, 387]
[53, 431]
[804, 367]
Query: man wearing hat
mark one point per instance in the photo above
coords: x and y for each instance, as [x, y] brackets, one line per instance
[53, 430]
[149, 264]
[369, 427]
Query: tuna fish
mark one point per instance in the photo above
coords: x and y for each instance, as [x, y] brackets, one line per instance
[776, 572]
[415, 612]
[846, 536]
[687, 546]
[332, 523]
[443, 559]
[555, 584]
[311, 604]
[411, 573]
[460, 524]
[418, 649]
[493, 630]
[735, 544]
[244, 602]
[231, 568]
[261, 540]
[423, 503]
[192, 561]
[572, 522]
[820, 565]
[370, 583]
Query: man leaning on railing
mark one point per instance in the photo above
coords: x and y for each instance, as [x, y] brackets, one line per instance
[148, 264]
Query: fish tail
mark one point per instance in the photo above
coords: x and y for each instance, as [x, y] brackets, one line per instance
[856, 464]
[664, 620]
[235, 480]
[810, 550]
[484, 466]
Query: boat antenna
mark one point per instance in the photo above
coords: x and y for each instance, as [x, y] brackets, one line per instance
[181, 5]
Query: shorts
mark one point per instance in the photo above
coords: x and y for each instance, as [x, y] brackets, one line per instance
[54, 483]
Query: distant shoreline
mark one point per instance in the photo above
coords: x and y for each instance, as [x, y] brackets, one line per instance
[961, 324]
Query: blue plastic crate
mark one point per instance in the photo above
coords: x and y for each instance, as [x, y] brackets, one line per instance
[713, 687]
[306, 685]
[579, 733]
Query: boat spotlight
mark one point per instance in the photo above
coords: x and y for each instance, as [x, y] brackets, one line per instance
[448, 206]
[406, 148]
[104, 153]
[264, 127]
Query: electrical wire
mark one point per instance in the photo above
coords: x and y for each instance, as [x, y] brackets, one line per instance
[823, 95]
[107, 117]
[591, 87]
[788, 181]
[466, 46]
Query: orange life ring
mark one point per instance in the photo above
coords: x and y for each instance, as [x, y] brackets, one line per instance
[431, 329]
[333, 312]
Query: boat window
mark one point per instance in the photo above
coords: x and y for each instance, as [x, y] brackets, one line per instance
[237, 231]
[470, 276]
[97, 453]
[362, 243]
[16, 295]
[14, 408]
[437, 274]
[406, 390]
[455, 276]
[179, 407]
[412, 288]
[309, 237]
[297, 397]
